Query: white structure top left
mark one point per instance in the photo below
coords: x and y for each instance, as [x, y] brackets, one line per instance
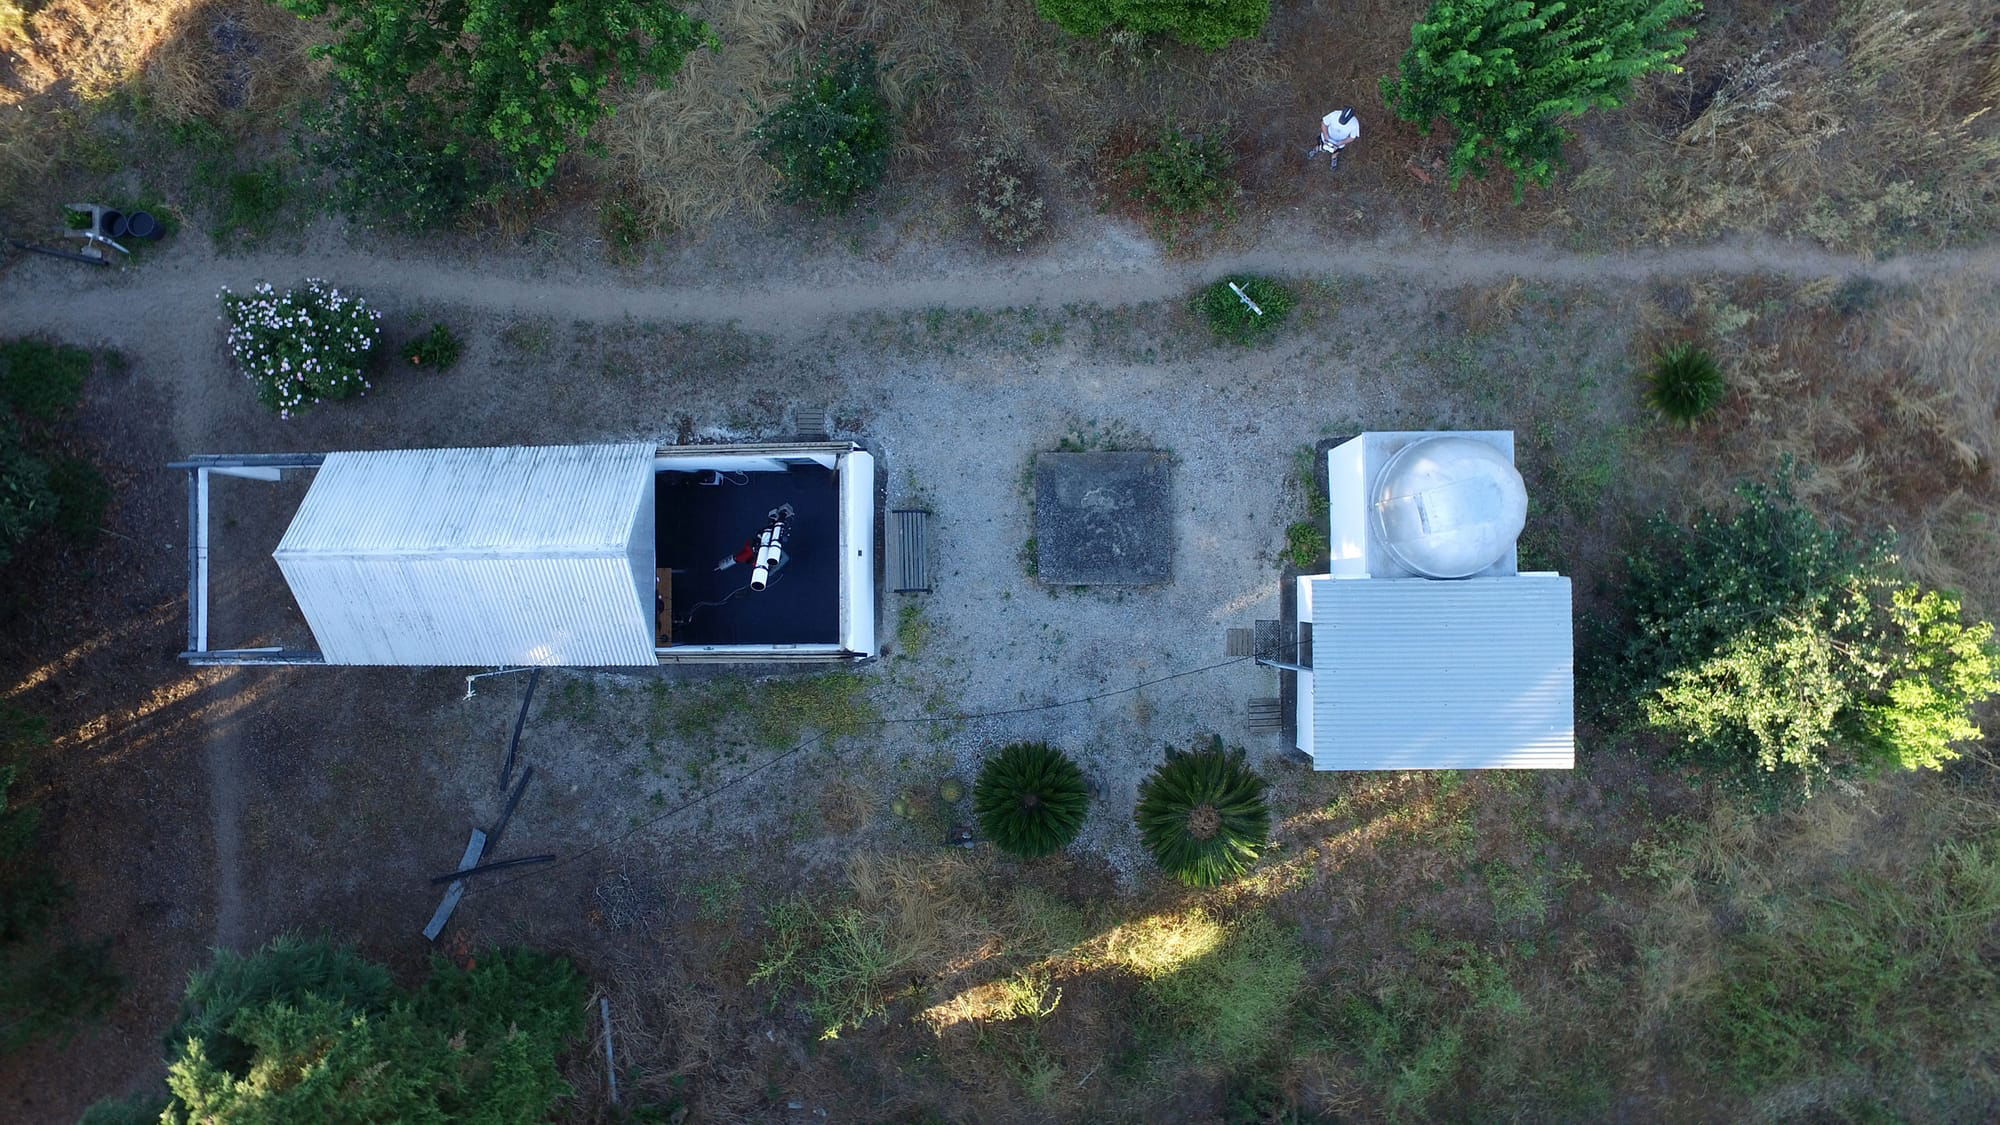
[503, 556]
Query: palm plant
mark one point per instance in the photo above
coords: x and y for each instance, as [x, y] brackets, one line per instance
[1202, 814]
[1685, 383]
[1030, 799]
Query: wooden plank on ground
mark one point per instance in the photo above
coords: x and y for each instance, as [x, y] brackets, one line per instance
[474, 848]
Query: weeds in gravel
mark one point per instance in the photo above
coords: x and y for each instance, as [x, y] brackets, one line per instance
[248, 202]
[1306, 543]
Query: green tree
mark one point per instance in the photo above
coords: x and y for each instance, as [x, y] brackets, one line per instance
[1772, 645]
[1198, 23]
[1506, 74]
[306, 1031]
[435, 93]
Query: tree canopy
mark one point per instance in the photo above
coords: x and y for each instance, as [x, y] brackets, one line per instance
[1778, 647]
[303, 1030]
[1505, 74]
[441, 100]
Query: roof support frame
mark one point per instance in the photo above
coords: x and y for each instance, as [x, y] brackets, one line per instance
[251, 466]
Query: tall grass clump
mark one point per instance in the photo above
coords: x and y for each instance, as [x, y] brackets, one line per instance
[1030, 799]
[1889, 979]
[1210, 24]
[1685, 384]
[303, 345]
[1237, 323]
[1202, 814]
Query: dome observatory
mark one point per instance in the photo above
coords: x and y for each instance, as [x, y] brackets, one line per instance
[1447, 506]
[1425, 646]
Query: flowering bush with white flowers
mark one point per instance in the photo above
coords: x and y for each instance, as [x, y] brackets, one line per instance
[301, 345]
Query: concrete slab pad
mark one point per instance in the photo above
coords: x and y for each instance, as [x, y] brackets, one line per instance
[1103, 519]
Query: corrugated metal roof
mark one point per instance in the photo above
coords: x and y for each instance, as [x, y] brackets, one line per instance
[477, 556]
[1418, 674]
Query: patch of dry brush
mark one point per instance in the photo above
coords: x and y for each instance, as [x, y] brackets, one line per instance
[1867, 124]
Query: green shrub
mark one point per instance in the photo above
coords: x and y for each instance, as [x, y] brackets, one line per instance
[285, 970]
[1198, 23]
[1030, 799]
[830, 139]
[43, 381]
[1182, 177]
[1506, 74]
[386, 171]
[1685, 384]
[81, 496]
[1777, 648]
[303, 345]
[27, 504]
[1306, 543]
[304, 1031]
[1233, 321]
[498, 88]
[436, 350]
[1202, 814]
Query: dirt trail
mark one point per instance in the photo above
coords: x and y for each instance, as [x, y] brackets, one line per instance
[180, 290]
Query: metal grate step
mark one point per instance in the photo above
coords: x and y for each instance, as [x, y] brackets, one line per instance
[910, 529]
[812, 423]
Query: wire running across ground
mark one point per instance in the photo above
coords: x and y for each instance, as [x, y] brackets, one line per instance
[813, 739]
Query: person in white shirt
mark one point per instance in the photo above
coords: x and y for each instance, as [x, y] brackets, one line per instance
[1337, 130]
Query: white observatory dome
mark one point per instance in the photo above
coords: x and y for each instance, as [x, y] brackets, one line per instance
[1448, 507]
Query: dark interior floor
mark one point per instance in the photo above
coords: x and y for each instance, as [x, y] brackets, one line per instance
[698, 525]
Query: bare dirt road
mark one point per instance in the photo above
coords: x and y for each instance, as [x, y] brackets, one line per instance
[783, 295]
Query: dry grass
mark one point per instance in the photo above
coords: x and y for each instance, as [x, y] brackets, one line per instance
[186, 59]
[1871, 129]
[965, 76]
[1888, 398]
[226, 55]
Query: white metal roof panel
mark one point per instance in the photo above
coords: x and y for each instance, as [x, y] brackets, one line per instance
[477, 556]
[1419, 674]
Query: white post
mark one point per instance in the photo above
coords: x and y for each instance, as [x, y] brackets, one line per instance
[1245, 298]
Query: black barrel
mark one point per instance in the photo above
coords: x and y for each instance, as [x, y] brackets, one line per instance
[141, 224]
[113, 224]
